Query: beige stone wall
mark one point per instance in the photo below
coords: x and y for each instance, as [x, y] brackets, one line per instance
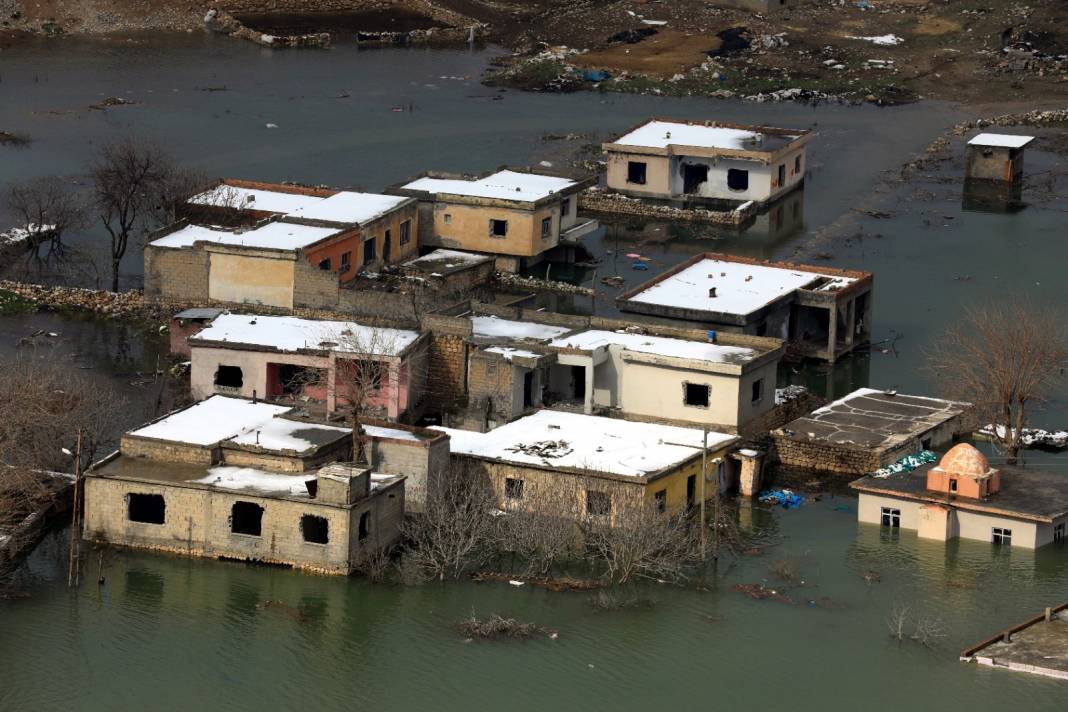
[168, 451]
[314, 288]
[251, 279]
[176, 275]
[420, 462]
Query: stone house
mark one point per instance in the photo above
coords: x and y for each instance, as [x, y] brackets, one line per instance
[235, 479]
[706, 163]
[821, 312]
[517, 216]
[576, 465]
[418, 454]
[962, 496]
[312, 363]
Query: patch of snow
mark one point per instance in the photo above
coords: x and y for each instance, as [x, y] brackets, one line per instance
[20, 234]
[290, 333]
[273, 235]
[658, 345]
[1031, 437]
[375, 431]
[210, 421]
[661, 134]
[587, 442]
[883, 40]
[509, 353]
[282, 434]
[270, 201]
[349, 207]
[1000, 140]
[454, 256]
[493, 327]
[259, 481]
[191, 234]
[502, 185]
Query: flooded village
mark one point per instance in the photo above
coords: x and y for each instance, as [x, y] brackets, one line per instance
[527, 346]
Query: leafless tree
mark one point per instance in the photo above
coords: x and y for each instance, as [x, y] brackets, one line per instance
[544, 536]
[925, 630]
[132, 183]
[1005, 358]
[46, 208]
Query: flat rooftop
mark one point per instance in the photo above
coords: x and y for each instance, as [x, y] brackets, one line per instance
[1025, 493]
[343, 207]
[273, 236]
[1039, 647]
[661, 133]
[873, 419]
[211, 421]
[502, 185]
[741, 287]
[491, 327]
[556, 439]
[1000, 140]
[290, 333]
[656, 345]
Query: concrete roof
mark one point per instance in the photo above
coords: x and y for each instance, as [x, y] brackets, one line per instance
[1000, 140]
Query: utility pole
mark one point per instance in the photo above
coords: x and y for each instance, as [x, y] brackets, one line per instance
[73, 572]
[704, 474]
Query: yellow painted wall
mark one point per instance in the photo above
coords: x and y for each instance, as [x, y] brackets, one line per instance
[392, 222]
[675, 483]
[468, 228]
[251, 280]
[657, 173]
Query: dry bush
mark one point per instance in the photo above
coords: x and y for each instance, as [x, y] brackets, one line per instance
[541, 541]
[785, 570]
[497, 627]
[46, 208]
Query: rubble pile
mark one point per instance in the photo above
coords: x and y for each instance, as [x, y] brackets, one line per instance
[507, 279]
[117, 304]
[598, 200]
[545, 449]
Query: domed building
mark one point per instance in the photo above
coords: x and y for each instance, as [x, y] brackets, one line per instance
[962, 496]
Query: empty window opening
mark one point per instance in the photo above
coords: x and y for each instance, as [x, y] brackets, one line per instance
[346, 261]
[448, 219]
[387, 246]
[365, 525]
[952, 485]
[762, 329]
[636, 172]
[565, 207]
[498, 228]
[546, 228]
[926, 443]
[513, 488]
[890, 517]
[598, 503]
[578, 382]
[782, 174]
[758, 390]
[797, 165]
[406, 230]
[660, 501]
[1002, 537]
[693, 177]
[696, 394]
[293, 379]
[691, 491]
[246, 518]
[737, 179]
[369, 250]
[146, 508]
[528, 389]
[229, 376]
[316, 530]
[325, 264]
[1058, 532]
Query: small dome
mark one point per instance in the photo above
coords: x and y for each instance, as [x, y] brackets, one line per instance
[963, 460]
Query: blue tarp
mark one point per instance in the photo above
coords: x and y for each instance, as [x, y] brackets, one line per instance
[785, 498]
[596, 75]
[639, 265]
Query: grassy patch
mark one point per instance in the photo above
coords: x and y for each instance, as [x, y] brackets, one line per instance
[11, 303]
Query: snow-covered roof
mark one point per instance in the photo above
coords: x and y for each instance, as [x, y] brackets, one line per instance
[250, 479]
[590, 442]
[290, 333]
[273, 235]
[349, 207]
[377, 431]
[658, 345]
[741, 287]
[502, 185]
[271, 201]
[493, 327]
[211, 421]
[1000, 140]
[509, 353]
[283, 434]
[661, 134]
[448, 258]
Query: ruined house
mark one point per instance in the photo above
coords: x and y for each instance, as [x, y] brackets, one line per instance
[993, 171]
[707, 164]
[576, 465]
[962, 496]
[316, 364]
[243, 480]
[519, 217]
[821, 312]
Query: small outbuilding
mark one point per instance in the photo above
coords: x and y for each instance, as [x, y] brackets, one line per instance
[993, 171]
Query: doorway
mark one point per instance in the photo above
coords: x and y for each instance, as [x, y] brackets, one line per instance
[693, 176]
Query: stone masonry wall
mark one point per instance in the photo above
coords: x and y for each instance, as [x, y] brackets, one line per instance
[823, 457]
[169, 452]
[176, 275]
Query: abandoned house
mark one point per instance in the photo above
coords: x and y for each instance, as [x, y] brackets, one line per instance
[418, 454]
[993, 170]
[575, 465]
[962, 496]
[186, 323]
[452, 271]
[706, 163]
[320, 365]
[519, 217]
[869, 429]
[236, 479]
[821, 312]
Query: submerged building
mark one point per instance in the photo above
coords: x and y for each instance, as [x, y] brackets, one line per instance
[236, 479]
[993, 171]
[963, 496]
[821, 312]
[706, 163]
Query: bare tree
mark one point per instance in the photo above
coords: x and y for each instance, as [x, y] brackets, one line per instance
[46, 208]
[544, 536]
[1005, 358]
[132, 182]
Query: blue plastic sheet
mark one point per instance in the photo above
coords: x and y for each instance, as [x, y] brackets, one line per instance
[787, 499]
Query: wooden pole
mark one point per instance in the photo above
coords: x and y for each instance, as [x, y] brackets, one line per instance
[704, 474]
[75, 520]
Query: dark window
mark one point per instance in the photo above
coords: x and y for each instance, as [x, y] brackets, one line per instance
[546, 228]
[891, 517]
[660, 500]
[696, 394]
[346, 261]
[369, 250]
[952, 485]
[782, 174]
[498, 228]
[1002, 537]
[406, 230]
[758, 390]
[762, 329]
[316, 530]
[565, 207]
[636, 172]
[691, 491]
[448, 221]
[229, 377]
[365, 525]
[797, 164]
[387, 246]
[737, 179]
[1058, 532]
[325, 264]
[146, 508]
[693, 176]
[513, 489]
[294, 379]
[599, 503]
[246, 518]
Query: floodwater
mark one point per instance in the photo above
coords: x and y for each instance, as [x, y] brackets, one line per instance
[170, 633]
